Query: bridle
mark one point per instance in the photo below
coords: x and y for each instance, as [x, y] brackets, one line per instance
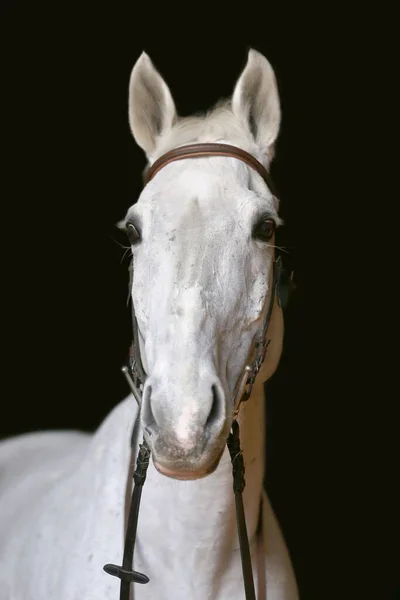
[136, 377]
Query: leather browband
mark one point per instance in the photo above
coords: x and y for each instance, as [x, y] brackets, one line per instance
[209, 149]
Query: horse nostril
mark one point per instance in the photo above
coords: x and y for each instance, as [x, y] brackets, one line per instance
[217, 407]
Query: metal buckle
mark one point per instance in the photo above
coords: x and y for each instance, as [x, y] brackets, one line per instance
[249, 376]
[133, 378]
[261, 348]
[241, 390]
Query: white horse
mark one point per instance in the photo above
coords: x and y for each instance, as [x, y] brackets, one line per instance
[202, 262]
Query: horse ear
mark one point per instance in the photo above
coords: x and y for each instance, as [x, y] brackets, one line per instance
[151, 107]
[255, 101]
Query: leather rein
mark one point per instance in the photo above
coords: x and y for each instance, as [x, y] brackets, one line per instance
[136, 377]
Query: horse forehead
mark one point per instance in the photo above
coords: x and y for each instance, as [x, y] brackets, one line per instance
[195, 195]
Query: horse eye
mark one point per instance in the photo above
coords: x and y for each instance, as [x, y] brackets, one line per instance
[264, 230]
[132, 233]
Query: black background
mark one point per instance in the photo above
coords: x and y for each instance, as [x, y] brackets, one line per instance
[73, 171]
